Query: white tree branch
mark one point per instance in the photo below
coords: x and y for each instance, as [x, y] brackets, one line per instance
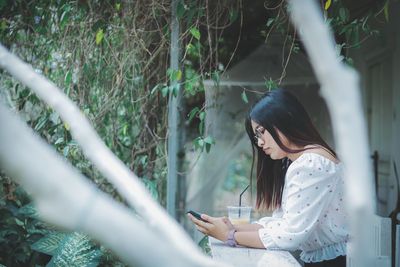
[118, 174]
[340, 89]
[66, 198]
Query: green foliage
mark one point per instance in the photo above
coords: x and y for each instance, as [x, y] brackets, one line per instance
[237, 176]
[195, 33]
[105, 60]
[271, 84]
[49, 243]
[203, 244]
[113, 64]
[350, 30]
[103, 67]
[244, 97]
[201, 143]
[19, 227]
[76, 250]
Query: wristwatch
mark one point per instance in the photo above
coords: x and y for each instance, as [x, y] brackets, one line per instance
[231, 238]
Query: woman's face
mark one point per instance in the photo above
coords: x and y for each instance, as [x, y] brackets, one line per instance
[265, 141]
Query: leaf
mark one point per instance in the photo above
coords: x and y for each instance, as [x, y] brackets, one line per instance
[42, 121]
[344, 14]
[215, 77]
[345, 29]
[209, 140]
[200, 142]
[99, 36]
[244, 97]
[49, 244]
[164, 91]
[196, 142]
[60, 140]
[178, 75]
[124, 129]
[208, 147]
[364, 25]
[28, 211]
[68, 78]
[192, 113]
[195, 32]
[271, 84]
[270, 21]
[19, 222]
[3, 24]
[180, 10]
[202, 115]
[66, 11]
[204, 245]
[66, 151]
[233, 15]
[190, 48]
[76, 250]
[66, 126]
[386, 11]
[175, 89]
[328, 4]
[174, 75]
[118, 6]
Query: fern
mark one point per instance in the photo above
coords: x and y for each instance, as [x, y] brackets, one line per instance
[49, 243]
[76, 250]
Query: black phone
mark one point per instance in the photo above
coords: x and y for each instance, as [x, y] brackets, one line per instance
[196, 215]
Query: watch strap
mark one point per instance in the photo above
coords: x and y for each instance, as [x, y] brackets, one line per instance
[231, 238]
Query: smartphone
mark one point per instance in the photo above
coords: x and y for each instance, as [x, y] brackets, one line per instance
[196, 215]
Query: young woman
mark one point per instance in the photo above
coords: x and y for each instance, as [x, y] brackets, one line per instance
[300, 178]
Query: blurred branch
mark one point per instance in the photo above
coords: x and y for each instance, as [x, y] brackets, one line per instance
[118, 174]
[340, 89]
[66, 198]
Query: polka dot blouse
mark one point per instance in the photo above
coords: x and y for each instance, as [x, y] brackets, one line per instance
[312, 216]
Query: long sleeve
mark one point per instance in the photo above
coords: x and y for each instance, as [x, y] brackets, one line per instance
[276, 215]
[309, 189]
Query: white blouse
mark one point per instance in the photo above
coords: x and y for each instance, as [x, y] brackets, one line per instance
[312, 216]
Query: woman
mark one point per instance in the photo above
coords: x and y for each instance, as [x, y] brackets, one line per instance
[300, 178]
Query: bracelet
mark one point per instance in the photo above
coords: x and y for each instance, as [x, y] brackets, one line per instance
[231, 238]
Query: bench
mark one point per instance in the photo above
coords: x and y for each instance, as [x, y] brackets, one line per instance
[250, 257]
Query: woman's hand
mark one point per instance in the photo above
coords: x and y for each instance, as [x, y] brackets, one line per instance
[217, 227]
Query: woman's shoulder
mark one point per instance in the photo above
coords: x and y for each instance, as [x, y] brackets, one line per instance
[315, 159]
[322, 153]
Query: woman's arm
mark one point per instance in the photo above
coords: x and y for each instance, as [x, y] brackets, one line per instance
[250, 227]
[246, 235]
[249, 239]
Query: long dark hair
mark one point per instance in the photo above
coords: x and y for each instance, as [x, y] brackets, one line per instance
[279, 110]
